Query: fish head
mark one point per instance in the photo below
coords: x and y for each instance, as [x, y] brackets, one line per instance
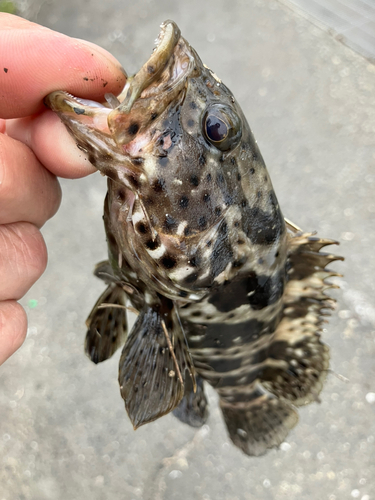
[177, 141]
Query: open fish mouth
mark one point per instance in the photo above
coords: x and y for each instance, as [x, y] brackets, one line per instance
[153, 68]
[145, 96]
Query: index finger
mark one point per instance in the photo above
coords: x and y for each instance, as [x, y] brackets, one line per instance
[36, 61]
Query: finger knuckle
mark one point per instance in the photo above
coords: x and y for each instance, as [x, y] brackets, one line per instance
[23, 257]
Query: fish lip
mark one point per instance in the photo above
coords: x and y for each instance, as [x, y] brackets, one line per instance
[165, 44]
[174, 60]
[169, 35]
[145, 95]
[158, 83]
[163, 32]
[62, 102]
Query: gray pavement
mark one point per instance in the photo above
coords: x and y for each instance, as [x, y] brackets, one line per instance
[352, 22]
[310, 101]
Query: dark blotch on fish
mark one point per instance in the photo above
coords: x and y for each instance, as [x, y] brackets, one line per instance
[168, 262]
[133, 128]
[121, 195]
[142, 228]
[184, 202]
[202, 222]
[202, 160]
[258, 291]
[194, 180]
[158, 185]
[153, 244]
[137, 160]
[261, 227]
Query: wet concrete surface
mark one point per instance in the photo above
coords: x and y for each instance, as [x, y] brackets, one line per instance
[310, 101]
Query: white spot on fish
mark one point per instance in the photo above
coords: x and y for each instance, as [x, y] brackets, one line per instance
[157, 253]
[149, 166]
[194, 296]
[137, 216]
[181, 228]
[180, 273]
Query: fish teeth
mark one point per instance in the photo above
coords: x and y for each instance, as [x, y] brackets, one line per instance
[160, 36]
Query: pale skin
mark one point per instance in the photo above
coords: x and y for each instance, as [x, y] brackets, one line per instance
[35, 149]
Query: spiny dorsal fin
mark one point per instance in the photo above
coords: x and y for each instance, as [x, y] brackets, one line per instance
[297, 337]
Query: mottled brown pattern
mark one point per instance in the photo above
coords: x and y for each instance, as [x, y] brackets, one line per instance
[199, 247]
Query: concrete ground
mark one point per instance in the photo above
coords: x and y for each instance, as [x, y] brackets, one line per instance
[310, 100]
[350, 21]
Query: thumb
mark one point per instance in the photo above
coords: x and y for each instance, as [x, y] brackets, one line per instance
[36, 61]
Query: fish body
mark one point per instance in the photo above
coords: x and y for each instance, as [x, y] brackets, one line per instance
[226, 290]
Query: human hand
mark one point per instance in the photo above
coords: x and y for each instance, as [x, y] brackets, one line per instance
[35, 148]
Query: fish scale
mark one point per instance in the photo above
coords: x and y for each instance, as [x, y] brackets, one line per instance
[226, 290]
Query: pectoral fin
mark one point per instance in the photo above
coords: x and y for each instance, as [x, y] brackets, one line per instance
[103, 270]
[151, 374]
[106, 325]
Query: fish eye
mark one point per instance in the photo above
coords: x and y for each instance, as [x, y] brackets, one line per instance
[222, 127]
[216, 129]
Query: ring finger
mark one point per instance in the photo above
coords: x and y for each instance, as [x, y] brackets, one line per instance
[23, 258]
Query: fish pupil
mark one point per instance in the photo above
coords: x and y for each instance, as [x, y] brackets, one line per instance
[222, 128]
[216, 129]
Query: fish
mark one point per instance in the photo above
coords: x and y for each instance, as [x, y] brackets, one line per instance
[226, 290]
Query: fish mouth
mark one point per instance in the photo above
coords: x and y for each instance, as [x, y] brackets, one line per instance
[159, 82]
[145, 96]
[164, 46]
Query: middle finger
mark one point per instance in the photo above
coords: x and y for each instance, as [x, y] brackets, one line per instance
[28, 191]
